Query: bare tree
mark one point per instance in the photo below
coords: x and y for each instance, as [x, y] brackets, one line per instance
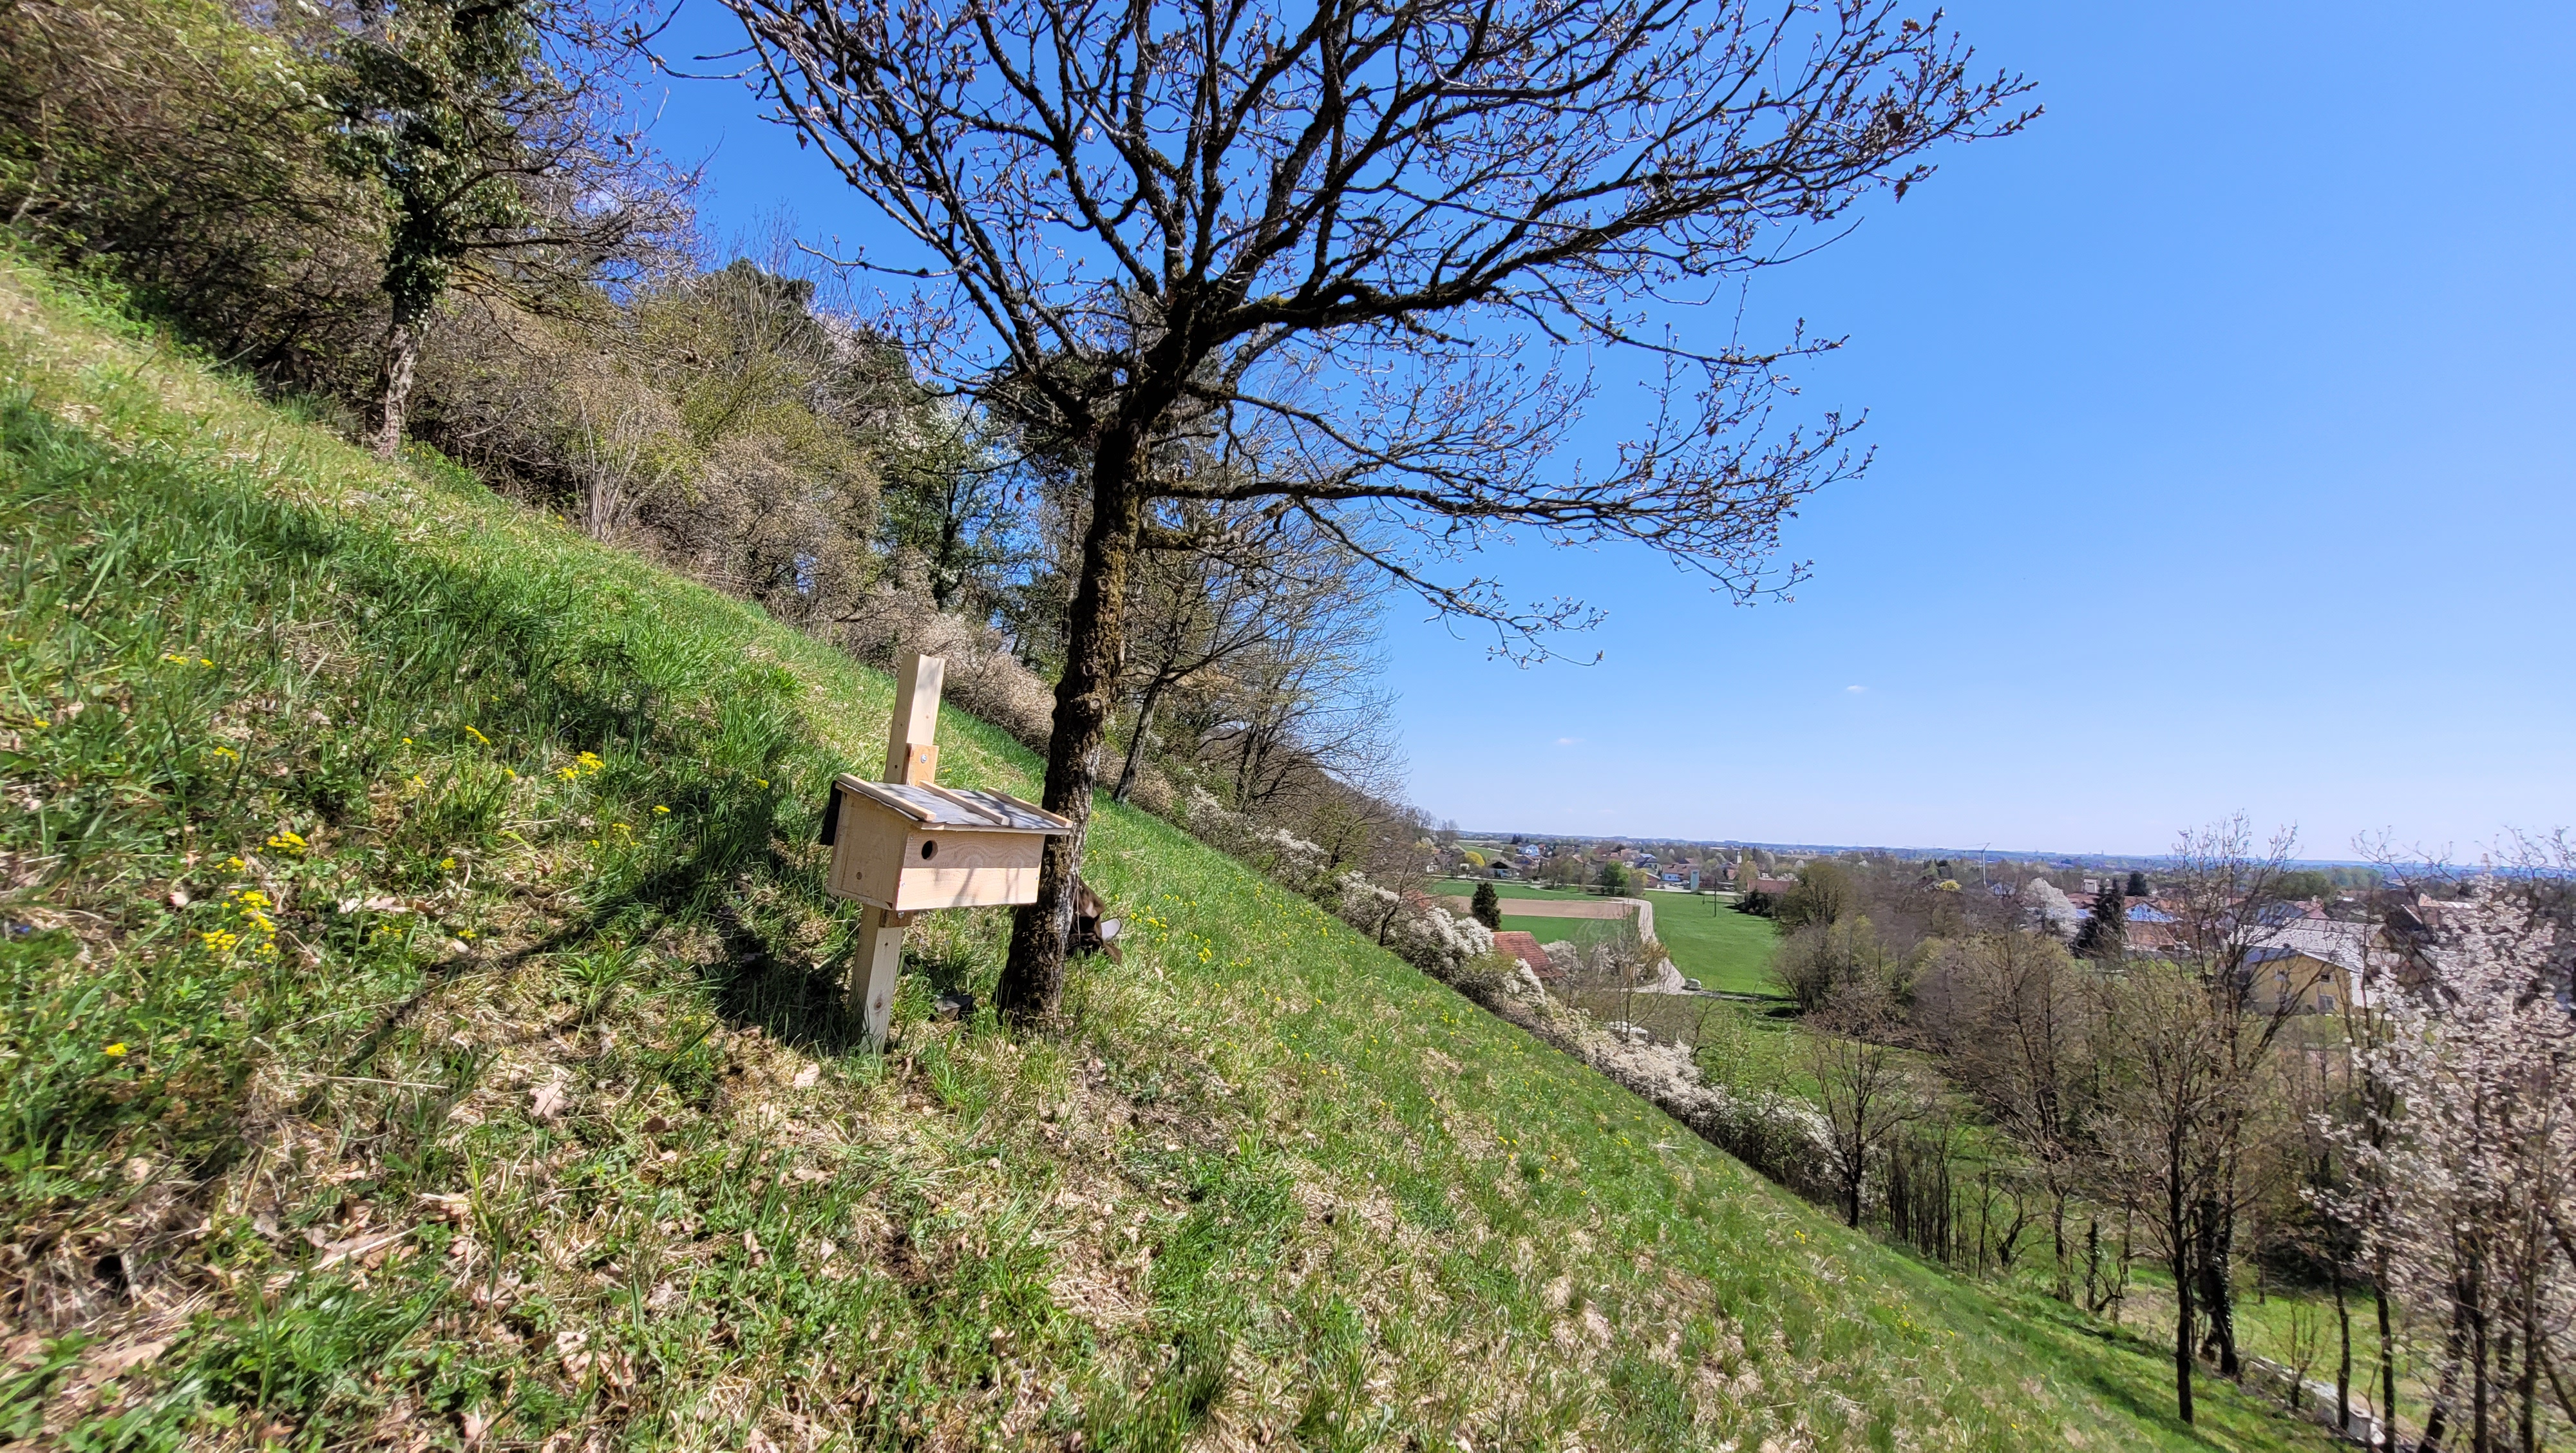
[499, 136]
[2187, 1041]
[1863, 1084]
[1201, 618]
[2015, 1014]
[1370, 251]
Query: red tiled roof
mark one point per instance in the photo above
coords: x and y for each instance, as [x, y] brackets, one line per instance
[1524, 947]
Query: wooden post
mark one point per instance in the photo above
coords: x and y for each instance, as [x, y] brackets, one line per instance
[912, 758]
[912, 745]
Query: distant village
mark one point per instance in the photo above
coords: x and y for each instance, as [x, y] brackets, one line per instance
[2313, 943]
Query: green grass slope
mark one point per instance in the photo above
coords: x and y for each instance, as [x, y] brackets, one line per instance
[416, 1030]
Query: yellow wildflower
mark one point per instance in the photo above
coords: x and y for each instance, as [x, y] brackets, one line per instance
[220, 941]
[287, 840]
[202, 661]
[478, 736]
[446, 864]
[115, 1051]
[226, 752]
[657, 807]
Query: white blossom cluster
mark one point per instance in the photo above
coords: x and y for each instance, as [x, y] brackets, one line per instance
[2461, 1185]
[1411, 926]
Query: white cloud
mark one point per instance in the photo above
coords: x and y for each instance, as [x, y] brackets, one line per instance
[1569, 741]
[1857, 690]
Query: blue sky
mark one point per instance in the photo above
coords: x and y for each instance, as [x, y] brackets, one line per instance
[2224, 462]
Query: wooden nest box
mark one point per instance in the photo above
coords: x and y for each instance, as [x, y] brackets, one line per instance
[908, 847]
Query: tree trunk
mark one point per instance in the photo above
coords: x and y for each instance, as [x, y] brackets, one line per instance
[393, 386]
[2387, 1353]
[2217, 1295]
[2481, 1364]
[2343, 1331]
[2437, 1419]
[1136, 740]
[2530, 1389]
[1032, 985]
[2057, 1240]
[2178, 1234]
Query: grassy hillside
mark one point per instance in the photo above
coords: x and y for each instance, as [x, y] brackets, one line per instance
[416, 1030]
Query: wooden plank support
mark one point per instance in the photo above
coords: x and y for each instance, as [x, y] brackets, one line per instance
[912, 748]
[874, 968]
[912, 758]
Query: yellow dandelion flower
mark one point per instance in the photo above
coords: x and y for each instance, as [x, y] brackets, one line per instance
[445, 864]
[226, 752]
[478, 736]
[234, 862]
[657, 807]
[115, 1051]
[287, 841]
[759, 781]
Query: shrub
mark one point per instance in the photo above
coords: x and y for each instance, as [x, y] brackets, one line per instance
[1823, 895]
[1822, 960]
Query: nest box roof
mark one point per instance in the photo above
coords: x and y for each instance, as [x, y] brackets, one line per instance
[954, 809]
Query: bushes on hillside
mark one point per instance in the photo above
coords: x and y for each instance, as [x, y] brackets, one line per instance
[1417, 930]
[170, 146]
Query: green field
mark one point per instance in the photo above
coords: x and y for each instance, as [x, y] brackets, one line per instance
[1716, 945]
[1708, 940]
[418, 1027]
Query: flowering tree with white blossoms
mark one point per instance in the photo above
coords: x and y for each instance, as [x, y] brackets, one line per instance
[2476, 1226]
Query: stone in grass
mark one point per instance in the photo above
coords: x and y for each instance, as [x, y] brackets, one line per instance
[955, 1004]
